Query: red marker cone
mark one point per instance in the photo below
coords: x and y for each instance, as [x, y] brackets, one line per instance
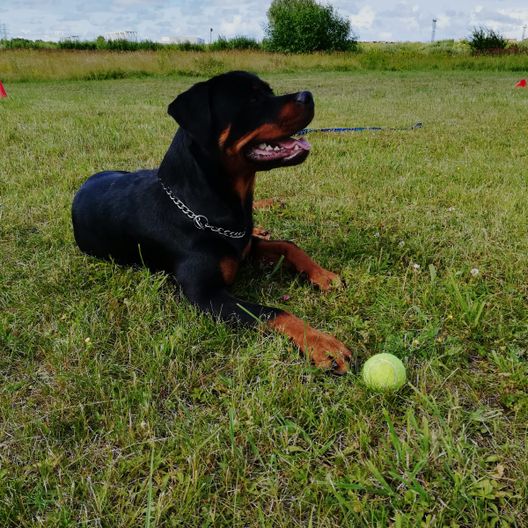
[2, 90]
[521, 84]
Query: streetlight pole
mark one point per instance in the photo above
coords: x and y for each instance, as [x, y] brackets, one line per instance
[434, 30]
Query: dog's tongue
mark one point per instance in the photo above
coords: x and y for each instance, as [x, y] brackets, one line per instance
[291, 142]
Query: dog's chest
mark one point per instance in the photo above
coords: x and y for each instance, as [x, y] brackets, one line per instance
[228, 269]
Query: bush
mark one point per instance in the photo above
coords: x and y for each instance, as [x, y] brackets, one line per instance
[131, 45]
[110, 45]
[237, 43]
[21, 43]
[486, 40]
[77, 44]
[303, 26]
[186, 46]
[445, 47]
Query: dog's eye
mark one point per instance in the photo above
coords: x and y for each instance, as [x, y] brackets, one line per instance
[259, 93]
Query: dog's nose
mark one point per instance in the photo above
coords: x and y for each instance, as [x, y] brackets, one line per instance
[304, 98]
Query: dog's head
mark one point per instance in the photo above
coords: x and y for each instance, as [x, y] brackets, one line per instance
[237, 116]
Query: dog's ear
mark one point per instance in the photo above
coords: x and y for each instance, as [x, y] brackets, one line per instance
[191, 110]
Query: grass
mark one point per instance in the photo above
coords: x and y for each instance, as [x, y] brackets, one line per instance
[122, 406]
[35, 65]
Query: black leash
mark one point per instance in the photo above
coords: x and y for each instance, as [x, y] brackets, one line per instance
[305, 131]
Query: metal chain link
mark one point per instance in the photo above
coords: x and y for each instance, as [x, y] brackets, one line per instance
[200, 221]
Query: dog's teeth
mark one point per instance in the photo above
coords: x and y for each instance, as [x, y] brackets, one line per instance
[268, 147]
[276, 148]
[262, 146]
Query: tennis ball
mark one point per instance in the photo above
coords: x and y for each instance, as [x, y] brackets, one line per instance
[384, 372]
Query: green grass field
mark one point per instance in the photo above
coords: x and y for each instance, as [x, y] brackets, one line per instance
[38, 65]
[121, 406]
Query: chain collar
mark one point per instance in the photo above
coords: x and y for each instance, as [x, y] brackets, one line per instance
[200, 221]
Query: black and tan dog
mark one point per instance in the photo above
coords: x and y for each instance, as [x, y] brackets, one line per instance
[192, 217]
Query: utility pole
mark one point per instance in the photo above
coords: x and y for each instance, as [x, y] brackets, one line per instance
[524, 32]
[210, 35]
[3, 32]
[434, 30]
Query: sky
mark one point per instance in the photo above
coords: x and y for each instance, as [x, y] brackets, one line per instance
[154, 19]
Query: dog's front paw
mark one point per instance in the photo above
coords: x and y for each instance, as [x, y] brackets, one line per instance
[327, 352]
[260, 232]
[325, 280]
[268, 203]
[323, 350]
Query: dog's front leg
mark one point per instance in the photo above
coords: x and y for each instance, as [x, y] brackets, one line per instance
[206, 292]
[324, 350]
[272, 250]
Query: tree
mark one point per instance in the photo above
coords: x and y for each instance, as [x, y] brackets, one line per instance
[302, 26]
[100, 42]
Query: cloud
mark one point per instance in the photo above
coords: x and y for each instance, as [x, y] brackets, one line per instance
[152, 19]
[509, 22]
[443, 22]
[364, 19]
[499, 17]
[128, 3]
[401, 10]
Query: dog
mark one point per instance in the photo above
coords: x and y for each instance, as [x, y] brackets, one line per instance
[193, 216]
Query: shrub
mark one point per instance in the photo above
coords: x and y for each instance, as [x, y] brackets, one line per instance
[186, 46]
[110, 45]
[100, 42]
[22, 43]
[236, 43]
[303, 26]
[77, 44]
[130, 45]
[445, 47]
[486, 40]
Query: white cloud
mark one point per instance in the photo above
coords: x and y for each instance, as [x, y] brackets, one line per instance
[386, 36]
[364, 19]
[152, 19]
[443, 21]
[508, 22]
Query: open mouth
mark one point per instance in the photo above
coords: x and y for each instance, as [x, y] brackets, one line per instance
[285, 150]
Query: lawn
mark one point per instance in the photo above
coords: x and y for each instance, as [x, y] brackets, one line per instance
[120, 405]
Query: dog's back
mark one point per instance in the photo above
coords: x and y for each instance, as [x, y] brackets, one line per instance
[104, 223]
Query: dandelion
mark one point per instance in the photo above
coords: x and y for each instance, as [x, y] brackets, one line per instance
[416, 267]
[87, 340]
[401, 243]
[475, 272]
[376, 235]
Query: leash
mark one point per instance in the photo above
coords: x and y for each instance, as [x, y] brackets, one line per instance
[305, 131]
[202, 222]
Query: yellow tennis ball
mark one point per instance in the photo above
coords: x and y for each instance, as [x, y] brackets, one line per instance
[384, 372]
